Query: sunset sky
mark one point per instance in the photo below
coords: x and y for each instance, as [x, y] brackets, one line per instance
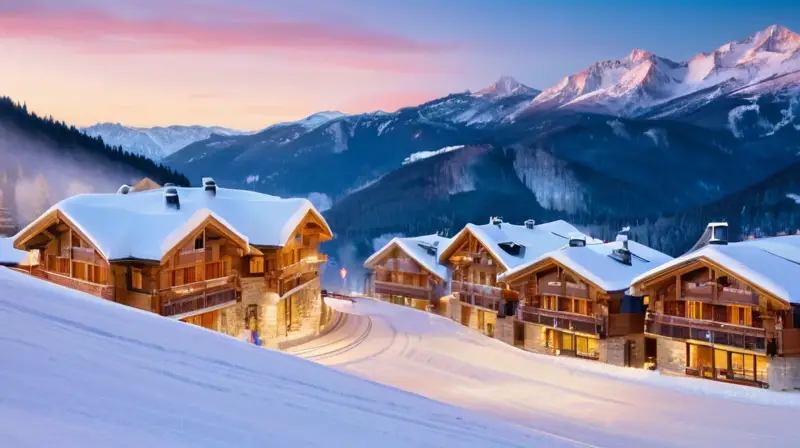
[249, 63]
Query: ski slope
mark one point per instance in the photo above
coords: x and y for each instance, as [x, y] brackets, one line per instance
[576, 400]
[77, 371]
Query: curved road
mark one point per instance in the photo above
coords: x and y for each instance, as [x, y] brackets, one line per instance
[580, 402]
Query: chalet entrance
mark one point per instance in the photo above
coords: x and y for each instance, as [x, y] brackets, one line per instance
[519, 333]
[650, 353]
[465, 312]
[570, 344]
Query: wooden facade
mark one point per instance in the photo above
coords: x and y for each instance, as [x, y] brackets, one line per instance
[474, 282]
[399, 278]
[708, 322]
[199, 280]
[570, 315]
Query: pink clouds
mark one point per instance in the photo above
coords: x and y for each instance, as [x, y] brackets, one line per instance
[97, 30]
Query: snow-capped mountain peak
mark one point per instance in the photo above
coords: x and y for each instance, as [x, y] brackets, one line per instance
[505, 87]
[156, 142]
[641, 80]
[318, 119]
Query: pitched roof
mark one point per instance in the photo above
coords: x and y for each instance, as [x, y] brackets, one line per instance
[772, 264]
[537, 241]
[594, 263]
[140, 225]
[411, 246]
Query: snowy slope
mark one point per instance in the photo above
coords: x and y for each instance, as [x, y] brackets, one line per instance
[641, 80]
[82, 372]
[585, 402]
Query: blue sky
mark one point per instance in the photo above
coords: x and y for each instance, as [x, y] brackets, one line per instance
[248, 63]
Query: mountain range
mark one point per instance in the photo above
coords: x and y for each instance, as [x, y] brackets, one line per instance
[638, 139]
[44, 161]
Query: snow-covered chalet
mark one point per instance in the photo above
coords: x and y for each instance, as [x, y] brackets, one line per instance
[239, 262]
[479, 253]
[406, 271]
[727, 311]
[574, 301]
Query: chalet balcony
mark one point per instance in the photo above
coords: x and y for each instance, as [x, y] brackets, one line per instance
[84, 254]
[483, 296]
[560, 319]
[723, 333]
[195, 256]
[304, 266]
[195, 288]
[195, 297]
[401, 289]
[709, 292]
[555, 287]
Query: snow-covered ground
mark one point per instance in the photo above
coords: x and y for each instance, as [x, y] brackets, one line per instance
[77, 371]
[583, 401]
[421, 155]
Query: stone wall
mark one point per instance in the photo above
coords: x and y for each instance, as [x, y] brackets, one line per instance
[671, 355]
[784, 373]
[612, 350]
[504, 330]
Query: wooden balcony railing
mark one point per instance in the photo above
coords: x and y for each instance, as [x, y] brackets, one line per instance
[400, 289]
[194, 256]
[723, 333]
[198, 303]
[304, 266]
[84, 254]
[198, 296]
[410, 279]
[704, 292]
[625, 324]
[197, 288]
[479, 295]
[560, 319]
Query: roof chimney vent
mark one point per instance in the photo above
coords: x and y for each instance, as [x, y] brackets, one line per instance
[210, 186]
[496, 220]
[171, 199]
[169, 184]
[577, 240]
[718, 233]
[530, 224]
[124, 189]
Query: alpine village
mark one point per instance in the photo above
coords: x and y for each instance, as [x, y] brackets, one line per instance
[248, 265]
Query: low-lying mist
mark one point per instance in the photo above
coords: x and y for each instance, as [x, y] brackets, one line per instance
[35, 173]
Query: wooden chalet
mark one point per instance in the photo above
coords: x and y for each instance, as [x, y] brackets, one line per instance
[574, 301]
[239, 262]
[728, 312]
[479, 253]
[406, 271]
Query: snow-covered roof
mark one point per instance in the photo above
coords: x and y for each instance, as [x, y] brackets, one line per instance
[411, 246]
[542, 238]
[140, 225]
[772, 264]
[10, 256]
[594, 263]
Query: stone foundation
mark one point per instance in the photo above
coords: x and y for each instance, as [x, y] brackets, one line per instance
[671, 355]
[784, 373]
[612, 350]
[504, 330]
[264, 312]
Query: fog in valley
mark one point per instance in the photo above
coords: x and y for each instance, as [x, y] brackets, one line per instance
[35, 174]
